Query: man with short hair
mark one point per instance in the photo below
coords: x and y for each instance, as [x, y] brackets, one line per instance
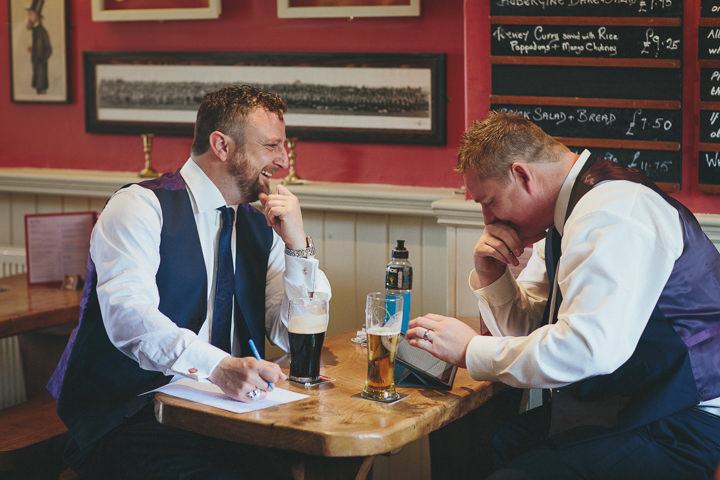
[616, 315]
[183, 273]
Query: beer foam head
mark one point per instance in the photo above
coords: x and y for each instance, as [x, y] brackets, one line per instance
[307, 323]
[383, 331]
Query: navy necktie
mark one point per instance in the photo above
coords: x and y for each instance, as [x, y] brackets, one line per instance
[552, 256]
[224, 284]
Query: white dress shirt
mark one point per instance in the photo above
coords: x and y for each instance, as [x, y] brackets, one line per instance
[125, 248]
[619, 247]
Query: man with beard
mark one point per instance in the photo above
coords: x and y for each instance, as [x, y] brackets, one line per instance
[158, 301]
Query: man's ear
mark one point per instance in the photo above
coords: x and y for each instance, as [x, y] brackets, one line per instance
[524, 175]
[220, 145]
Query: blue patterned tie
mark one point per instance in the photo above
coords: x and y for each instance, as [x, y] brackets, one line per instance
[552, 256]
[224, 284]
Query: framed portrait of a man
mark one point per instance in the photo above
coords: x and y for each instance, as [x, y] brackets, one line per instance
[38, 51]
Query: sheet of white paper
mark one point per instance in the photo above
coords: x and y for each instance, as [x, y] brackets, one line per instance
[209, 394]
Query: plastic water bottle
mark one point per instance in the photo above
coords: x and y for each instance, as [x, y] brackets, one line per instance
[398, 279]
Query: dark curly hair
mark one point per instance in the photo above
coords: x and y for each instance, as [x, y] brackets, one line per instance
[226, 111]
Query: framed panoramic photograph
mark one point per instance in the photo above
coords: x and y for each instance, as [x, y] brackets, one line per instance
[134, 10]
[347, 97]
[347, 8]
[38, 51]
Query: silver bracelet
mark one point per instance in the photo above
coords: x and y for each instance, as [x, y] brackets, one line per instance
[307, 252]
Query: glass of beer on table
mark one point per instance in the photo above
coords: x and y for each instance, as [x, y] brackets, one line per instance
[383, 321]
[307, 323]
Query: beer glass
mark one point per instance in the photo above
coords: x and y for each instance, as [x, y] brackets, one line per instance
[383, 321]
[307, 323]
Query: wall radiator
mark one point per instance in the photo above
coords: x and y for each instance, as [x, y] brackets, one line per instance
[12, 385]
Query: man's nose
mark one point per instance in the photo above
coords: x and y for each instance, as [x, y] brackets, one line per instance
[283, 160]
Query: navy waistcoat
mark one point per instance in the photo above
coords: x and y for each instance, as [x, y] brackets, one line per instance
[96, 385]
[676, 363]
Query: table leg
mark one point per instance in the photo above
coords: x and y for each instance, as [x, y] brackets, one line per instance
[310, 467]
[40, 351]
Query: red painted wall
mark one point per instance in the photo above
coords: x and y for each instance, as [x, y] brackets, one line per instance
[43, 135]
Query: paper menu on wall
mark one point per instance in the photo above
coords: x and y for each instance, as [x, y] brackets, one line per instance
[57, 244]
[209, 394]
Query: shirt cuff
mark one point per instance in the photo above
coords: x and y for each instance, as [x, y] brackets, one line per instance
[501, 291]
[479, 357]
[198, 360]
[301, 272]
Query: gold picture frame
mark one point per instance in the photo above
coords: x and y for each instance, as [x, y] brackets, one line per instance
[347, 8]
[101, 12]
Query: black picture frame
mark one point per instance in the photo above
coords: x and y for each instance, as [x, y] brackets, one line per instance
[38, 44]
[344, 97]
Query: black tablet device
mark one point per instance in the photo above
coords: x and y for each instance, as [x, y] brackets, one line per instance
[414, 367]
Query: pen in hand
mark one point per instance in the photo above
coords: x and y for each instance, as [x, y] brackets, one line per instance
[257, 356]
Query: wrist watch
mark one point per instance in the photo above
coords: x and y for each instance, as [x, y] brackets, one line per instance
[307, 252]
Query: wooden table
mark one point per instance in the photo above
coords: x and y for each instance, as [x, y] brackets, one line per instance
[25, 308]
[337, 435]
[41, 315]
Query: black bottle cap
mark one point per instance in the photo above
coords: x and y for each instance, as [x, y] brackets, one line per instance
[400, 251]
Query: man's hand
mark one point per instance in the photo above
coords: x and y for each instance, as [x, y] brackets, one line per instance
[498, 246]
[237, 377]
[447, 338]
[282, 212]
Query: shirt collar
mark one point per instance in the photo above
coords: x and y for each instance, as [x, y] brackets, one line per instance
[564, 197]
[204, 195]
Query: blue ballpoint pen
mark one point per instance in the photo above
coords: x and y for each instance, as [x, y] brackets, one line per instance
[257, 355]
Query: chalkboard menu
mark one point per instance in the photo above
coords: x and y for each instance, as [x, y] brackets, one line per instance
[589, 8]
[709, 60]
[606, 76]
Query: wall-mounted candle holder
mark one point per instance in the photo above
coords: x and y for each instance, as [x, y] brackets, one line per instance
[148, 171]
[292, 178]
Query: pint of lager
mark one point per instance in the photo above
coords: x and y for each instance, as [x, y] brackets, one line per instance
[383, 320]
[307, 324]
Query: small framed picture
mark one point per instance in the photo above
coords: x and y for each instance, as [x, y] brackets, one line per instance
[143, 10]
[38, 51]
[347, 8]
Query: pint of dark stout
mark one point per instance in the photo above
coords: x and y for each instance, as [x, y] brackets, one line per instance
[383, 321]
[307, 324]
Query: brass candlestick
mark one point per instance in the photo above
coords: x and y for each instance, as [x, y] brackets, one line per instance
[292, 178]
[148, 171]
